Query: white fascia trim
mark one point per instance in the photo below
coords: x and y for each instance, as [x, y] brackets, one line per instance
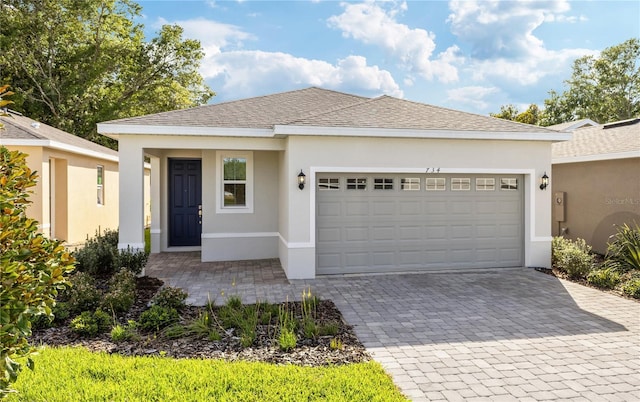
[113, 130]
[282, 130]
[595, 158]
[239, 235]
[295, 245]
[60, 147]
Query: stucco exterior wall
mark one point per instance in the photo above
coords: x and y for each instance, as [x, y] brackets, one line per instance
[598, 195]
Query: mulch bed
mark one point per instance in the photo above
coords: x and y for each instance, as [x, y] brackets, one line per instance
[308, 352]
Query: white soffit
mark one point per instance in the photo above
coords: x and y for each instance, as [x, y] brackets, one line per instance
[113, 130]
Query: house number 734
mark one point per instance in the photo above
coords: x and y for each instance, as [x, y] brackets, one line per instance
[433, 170]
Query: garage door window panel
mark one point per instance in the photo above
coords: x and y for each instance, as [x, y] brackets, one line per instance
[460, 184]
[508, 184]
[485, 184]
[359, 183]
[332, 183]
[383, 184]
[410, 184]
[436, 184]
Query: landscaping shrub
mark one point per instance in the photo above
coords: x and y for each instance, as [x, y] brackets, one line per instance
[605, 278]
[170, 297]
[121, 333]
[623, 251]
[83, 294]
[122, 292]
[287, 339]
[158, 317]
[130, 260]
[90, 324]
[100, 256]
[572, 257]
[632, 288]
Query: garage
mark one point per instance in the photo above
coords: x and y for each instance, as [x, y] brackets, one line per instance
[373, 223]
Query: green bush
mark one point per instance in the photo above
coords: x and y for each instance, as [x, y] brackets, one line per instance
[122, 292]
[98, 256]
[33, 268]
[158, 317]
[572, 257]
[603, 278]
[632, 288]
[83, 294]
[130, 260]
[287, 339]
[120, 333]
[90, 324]
[330, 328]
[170, 297]
[623, 252]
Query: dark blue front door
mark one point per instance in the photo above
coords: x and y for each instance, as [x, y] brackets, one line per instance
[185, 202]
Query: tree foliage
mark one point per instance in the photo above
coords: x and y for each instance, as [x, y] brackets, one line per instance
[33, 267]
[510, 112]
[76, 63]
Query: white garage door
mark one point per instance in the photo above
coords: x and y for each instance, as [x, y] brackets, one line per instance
[404, 222]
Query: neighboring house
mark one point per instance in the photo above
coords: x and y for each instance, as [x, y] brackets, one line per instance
[77, 190]
[596, 182]
[390, 184]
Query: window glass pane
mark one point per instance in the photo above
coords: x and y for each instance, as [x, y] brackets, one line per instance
[357, 184]
[435, 184]
[100, 175]
[100, 196]
[235, 169]
[383, 184]
[485, 184]
[234, 195]
[332, 183]
[508, 184]
[410, 183]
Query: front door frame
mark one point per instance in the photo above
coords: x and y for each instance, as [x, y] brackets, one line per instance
[192, 225]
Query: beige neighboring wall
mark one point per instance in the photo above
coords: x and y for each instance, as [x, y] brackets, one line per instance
[598, 195]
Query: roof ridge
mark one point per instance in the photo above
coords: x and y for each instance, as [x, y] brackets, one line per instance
[332, 110]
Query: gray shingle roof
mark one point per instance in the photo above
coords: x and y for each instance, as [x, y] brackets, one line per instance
[22, 128]
[325, 108]
[599, 140]
[573, 125]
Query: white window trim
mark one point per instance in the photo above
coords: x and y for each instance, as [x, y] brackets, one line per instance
[220, 208]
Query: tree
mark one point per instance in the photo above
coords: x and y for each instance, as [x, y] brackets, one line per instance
[511, 112]
[604, 89]
[76, 63]
[33, 267]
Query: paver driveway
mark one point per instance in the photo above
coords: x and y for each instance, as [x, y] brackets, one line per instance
[513, 334]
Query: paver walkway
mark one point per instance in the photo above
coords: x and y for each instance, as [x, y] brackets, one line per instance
[502, 335]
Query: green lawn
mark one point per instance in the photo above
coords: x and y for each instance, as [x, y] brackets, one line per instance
[75, 374]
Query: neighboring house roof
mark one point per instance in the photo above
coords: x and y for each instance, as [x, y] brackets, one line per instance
[23, 131]
[615, 140]
[573, 125]
[316, 111]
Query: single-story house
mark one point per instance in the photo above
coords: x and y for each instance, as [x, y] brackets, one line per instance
[596, 182]
[330, 182]
[76, 195]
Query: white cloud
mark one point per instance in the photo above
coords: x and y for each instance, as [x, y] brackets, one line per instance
[504, 47]
[472, 95]
[372, 24]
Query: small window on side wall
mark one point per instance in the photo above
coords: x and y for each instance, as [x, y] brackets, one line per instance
[235, 181]
[100, 180]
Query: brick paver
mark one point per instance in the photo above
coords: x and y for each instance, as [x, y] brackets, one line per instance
[511, 334]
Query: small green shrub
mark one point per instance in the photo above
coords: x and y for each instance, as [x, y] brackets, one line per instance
[83, 294]
[99, 253]
[309, 328]
[632, 288]
[90, 324]
[175, 331]
[623, 252]
[170, 297]
[158, 317]
[122, 292]
[603, 278]
[330, 328]
[121, 333]
[572, 257]
[234, 302]
[336, 344]
[287, 340]
[130, 260]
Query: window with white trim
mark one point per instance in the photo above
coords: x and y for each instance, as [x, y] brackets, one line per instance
[410, 184]
[383, 184]
[329, 183]
[235, 178]
[100, 181]
[485, 184]
[358, 183]
[508, 184]
[460, 184]
[436, 184]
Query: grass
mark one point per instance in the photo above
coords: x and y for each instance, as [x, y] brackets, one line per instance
[84, 376]
[147, 240]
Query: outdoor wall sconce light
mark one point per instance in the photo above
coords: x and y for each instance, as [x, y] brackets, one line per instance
[301, 179]
[544, 181]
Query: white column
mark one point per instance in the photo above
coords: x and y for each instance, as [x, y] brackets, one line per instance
[131, 184]
[155, 205]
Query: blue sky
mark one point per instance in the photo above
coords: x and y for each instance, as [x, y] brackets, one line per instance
[467, 55]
